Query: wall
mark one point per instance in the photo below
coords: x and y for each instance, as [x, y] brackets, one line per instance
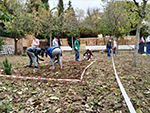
[128, 40]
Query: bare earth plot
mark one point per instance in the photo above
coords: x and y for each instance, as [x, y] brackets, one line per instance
[98, 92]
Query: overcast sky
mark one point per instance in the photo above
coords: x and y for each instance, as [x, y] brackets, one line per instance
[80, 4]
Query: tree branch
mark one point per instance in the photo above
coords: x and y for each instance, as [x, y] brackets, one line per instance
[137, 12]
[136, 3]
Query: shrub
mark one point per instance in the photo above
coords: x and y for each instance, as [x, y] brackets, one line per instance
[24, 54]
[7, 67]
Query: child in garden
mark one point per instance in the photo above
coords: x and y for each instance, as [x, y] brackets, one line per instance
[35, 42]
[115, 47]
[76, 48]
[56, 41]
[54, 52]
[33, 53]
[88, 54]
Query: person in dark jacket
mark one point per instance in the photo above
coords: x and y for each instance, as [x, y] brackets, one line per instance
[109, 47]
[88, 54]
[54, 52]
[33, 53]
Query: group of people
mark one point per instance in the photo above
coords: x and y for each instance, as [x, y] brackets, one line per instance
[111, 48]
[55, 52]
[87, 55]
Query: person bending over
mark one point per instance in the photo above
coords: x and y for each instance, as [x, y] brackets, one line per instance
[57, 43]
[33, 53]
[88, 54]
[54, 52]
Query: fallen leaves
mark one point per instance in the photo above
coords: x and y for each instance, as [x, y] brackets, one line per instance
[97, 92]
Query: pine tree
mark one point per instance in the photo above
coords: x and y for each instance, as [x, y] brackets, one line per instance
[61, 7]
[7, 67]
[70, 6]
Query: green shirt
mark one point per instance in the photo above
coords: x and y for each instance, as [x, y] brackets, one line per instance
[76, 44]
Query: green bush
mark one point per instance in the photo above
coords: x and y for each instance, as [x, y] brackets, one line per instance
[7, 67]
[24, 54]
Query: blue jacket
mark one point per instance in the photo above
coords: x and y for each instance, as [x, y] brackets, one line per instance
[108, 45]
[49, 50]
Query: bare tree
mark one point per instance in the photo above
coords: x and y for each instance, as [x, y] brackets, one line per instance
[141, 10]
[92, 15]
[79, 14]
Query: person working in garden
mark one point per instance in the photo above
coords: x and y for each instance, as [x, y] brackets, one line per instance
[56, 41]
[141, 46]
[35, 42]
[54, 52]
[88, 55]
[109, 47]
[76, 48]
[33, 53]
[115, 47]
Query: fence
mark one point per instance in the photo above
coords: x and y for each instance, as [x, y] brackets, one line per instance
[7, 49]
[94, 41]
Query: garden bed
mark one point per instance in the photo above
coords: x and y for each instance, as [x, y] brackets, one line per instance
[98, 92]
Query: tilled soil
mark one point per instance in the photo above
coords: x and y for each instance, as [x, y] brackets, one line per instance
[98, 92]
[70, 70]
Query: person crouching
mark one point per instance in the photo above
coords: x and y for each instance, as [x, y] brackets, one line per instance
[33, 53]
[54, 52]
[88, 54]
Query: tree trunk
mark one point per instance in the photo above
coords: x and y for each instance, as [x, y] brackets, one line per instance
[117, 45]
[50, 40]
[72, 42]
[134, 61]
[21, 43]
[15, 45]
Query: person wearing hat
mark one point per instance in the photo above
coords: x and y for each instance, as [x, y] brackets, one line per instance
[76, 48]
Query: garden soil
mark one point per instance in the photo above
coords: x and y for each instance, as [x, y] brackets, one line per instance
[98, 92]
